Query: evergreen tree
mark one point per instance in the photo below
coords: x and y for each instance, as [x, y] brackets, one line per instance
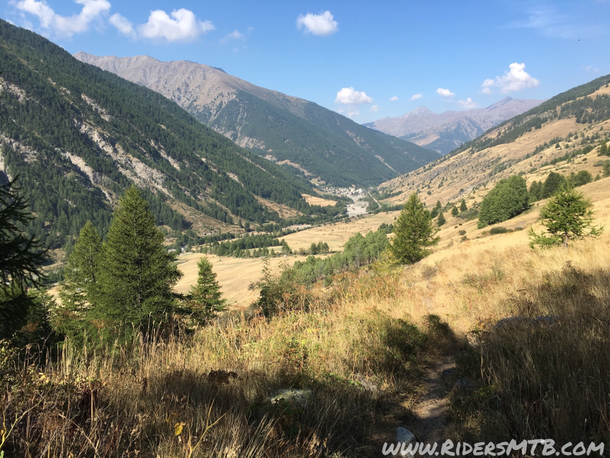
[21, 260]
[455, 211]
[603, 148]
[441, 219]
[205, 298]
[463, 206]
[553, 183]
[80, 280]
[567, 216]
[436, 209]
[413, 232]
[136, 274]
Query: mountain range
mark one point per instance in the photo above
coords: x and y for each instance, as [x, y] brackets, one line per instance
[77, 137]
[443, 132]
[302, 136]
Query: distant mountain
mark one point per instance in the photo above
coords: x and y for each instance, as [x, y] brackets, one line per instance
[77, 137]
[300, 135]
[446, 131]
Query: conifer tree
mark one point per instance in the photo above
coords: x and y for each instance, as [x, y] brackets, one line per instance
[463, 206]
[205, 298]
[21, 260]
[436, 210]
[413, 232]
[603, 148]
[136, 272]
[441, 219]
[80, 279]
[455, 211]
[567, 216]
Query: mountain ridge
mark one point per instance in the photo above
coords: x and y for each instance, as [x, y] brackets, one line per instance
[446, 131]
[281, 127]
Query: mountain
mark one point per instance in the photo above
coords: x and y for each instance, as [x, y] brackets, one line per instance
[563, 135]
[443, 132]
[300, 135]
[77, 137]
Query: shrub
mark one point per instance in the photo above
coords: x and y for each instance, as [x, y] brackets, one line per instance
[498, 230]
[506, 200]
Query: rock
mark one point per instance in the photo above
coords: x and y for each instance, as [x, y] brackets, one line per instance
[292, 396]
[403, 435]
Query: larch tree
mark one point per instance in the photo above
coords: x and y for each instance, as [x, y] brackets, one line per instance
[137, 273]
[414, 232]
[567, 216]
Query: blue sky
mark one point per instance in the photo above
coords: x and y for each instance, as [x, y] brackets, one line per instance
[366, 60]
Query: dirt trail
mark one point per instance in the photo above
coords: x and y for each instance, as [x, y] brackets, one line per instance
[432, 408]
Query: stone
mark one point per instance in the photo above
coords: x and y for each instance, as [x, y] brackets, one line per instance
[405, 437]
[292, 396]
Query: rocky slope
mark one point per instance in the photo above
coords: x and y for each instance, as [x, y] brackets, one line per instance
[302, 136]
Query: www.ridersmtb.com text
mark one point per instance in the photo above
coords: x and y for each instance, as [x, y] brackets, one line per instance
[544, 447]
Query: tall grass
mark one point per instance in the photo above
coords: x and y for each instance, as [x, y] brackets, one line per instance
[207, 394]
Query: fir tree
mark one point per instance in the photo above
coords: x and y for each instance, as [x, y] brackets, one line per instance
[463, 206]
[567, 216]
[21, 260]
[205, 298]
[136, 272]
[413, 232]
[80, 280]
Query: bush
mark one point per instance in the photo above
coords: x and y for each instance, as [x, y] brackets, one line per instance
[499, 230]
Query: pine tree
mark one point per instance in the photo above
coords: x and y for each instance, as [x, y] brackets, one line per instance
[80, 279]
[463, 206]
[136, 272]
[205, 298]
[567, 216]
[441, 219]
[603, 148]
[455, 211]
[21, 260]
[436, 210]
[413, 232]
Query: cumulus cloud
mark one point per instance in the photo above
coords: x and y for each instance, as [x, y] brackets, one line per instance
[467, 104]
[417, 96]
[62, 25]
[318, 24]
[122, 24]
[348, 96]
[444, 92]
[351, 114]
[374, 108]
[235, 35]
[393, 99]
[181, 26]
[514, 79]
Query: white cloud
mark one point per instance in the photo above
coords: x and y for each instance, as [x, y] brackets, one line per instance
[181, 26]
[318, 24]
[515, 79]
[374, 108]
[444, 92]
[235, 35]
[122, 24]
[417, 96]
[351, 114]
[548, 22]
[393, 99]
[348, 96]
[467, 104]
[62, 25]
[591, 69]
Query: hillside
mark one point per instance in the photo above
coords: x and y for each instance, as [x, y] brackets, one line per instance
[562, 135]
[443, 132]
[77, 137]
[301, 135]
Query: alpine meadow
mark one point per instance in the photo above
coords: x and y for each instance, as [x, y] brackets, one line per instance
[253, 230]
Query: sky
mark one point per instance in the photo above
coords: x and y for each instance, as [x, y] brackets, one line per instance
[366, 60]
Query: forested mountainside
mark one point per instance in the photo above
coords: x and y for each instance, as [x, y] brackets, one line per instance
[77, 137]
[565, 135]
[302, 136]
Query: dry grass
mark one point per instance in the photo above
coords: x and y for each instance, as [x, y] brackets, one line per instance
[159, 399]
[313, 200]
